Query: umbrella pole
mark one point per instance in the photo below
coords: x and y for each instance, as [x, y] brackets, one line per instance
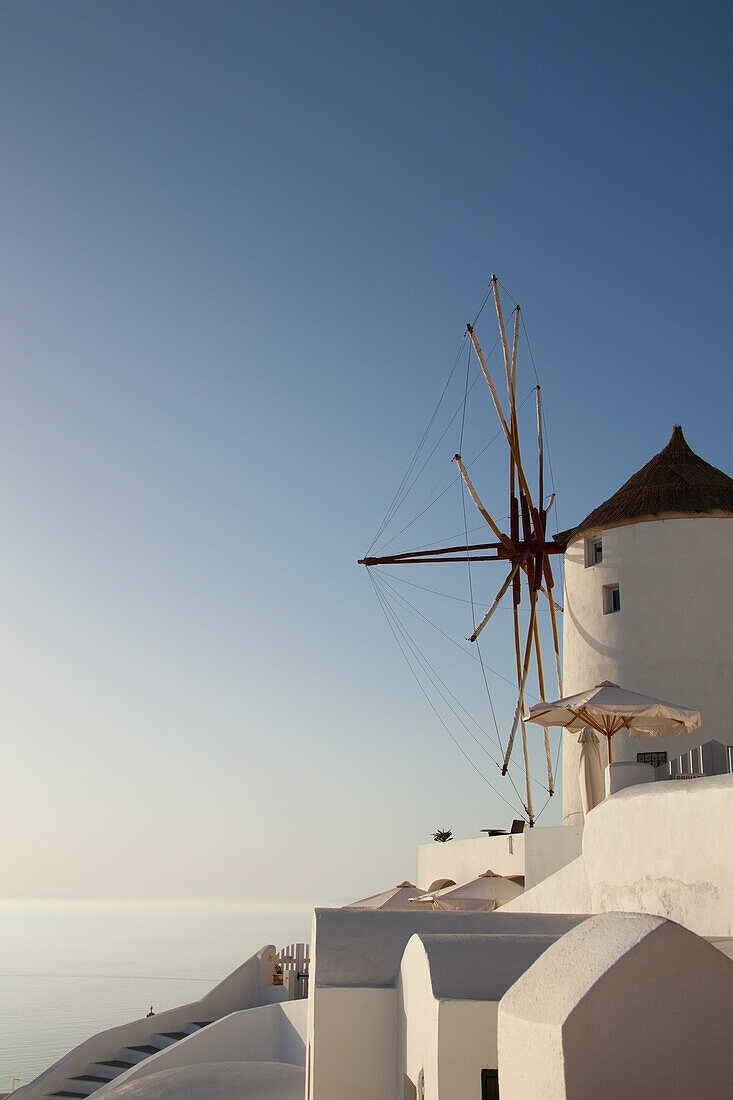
[608, 745]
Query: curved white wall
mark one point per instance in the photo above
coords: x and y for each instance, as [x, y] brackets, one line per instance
[624, 1005]
[659, 848]
[672, 638]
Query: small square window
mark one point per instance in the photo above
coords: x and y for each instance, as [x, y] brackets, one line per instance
[593, 551]
[611, 598]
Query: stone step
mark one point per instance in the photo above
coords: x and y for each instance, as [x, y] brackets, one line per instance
[84, 1085]
[138, 1053]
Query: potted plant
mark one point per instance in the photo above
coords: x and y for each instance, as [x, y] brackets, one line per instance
[277, 976]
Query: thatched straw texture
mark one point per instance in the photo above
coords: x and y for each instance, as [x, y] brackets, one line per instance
[676, 482]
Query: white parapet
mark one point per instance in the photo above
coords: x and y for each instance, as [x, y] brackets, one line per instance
[535, 854]
[270, 1033]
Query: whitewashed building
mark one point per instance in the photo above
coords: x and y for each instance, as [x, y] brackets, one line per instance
[647, 600]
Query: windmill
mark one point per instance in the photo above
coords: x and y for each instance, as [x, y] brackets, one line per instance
[525, 549]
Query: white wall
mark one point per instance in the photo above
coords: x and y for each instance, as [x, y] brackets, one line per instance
[535, 853]
[353, 1009]
[417, 1015]
[661, 848]
[462, 860]
[449, 989]
[672, 638]
[352, 1035]
[564, 892]
[548, 849]
[271, 1033]
[665, 848]
[624, 1005]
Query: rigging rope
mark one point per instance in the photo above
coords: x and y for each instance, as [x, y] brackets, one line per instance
[394, 505]
[435, 711]
[499, 434]
[417, 614]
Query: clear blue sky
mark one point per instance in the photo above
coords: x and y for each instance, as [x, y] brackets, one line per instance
[240, 245]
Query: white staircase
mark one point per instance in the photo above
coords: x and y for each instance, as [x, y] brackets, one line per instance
[101, 1073]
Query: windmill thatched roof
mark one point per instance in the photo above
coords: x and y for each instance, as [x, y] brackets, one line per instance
[676, 482]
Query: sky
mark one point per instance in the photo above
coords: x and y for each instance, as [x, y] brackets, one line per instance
[241, 242]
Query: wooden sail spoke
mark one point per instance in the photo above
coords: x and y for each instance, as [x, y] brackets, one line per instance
[522, 681]
[515, 348]
[497, 600]
[540, 454]
[526, 517]
[547, 569]
[507, 542]
[502, 331]
[556, 647]
[541, 685]
[508, 433]
[529, 805]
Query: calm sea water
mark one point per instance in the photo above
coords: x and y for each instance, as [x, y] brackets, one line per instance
[71, 968]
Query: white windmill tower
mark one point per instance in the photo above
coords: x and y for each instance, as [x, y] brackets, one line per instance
[648, 601]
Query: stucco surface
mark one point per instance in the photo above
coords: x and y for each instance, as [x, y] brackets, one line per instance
[535, 853]
[352, 1036]
[352, 948]
[448, 992]
[462, 860]
[479, 968]
[665, 848]
[564, 892]
[223, 1081]
[660, 848]
[417, 1045]
[624, 1005]
[672, 638]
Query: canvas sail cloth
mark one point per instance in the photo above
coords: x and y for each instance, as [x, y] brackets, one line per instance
[590, 770]
[396, 898]
[609, 708]
[482, 894]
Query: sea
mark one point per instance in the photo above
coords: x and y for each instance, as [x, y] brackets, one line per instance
[72, 967]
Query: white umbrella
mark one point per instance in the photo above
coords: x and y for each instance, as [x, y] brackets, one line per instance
[590, 770]
[609, 708]
[482, 894]
[396, 898]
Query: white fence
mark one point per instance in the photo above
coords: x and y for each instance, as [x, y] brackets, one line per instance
[295, 962]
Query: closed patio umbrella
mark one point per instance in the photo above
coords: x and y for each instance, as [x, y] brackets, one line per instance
[609, 708]
[590, 770]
